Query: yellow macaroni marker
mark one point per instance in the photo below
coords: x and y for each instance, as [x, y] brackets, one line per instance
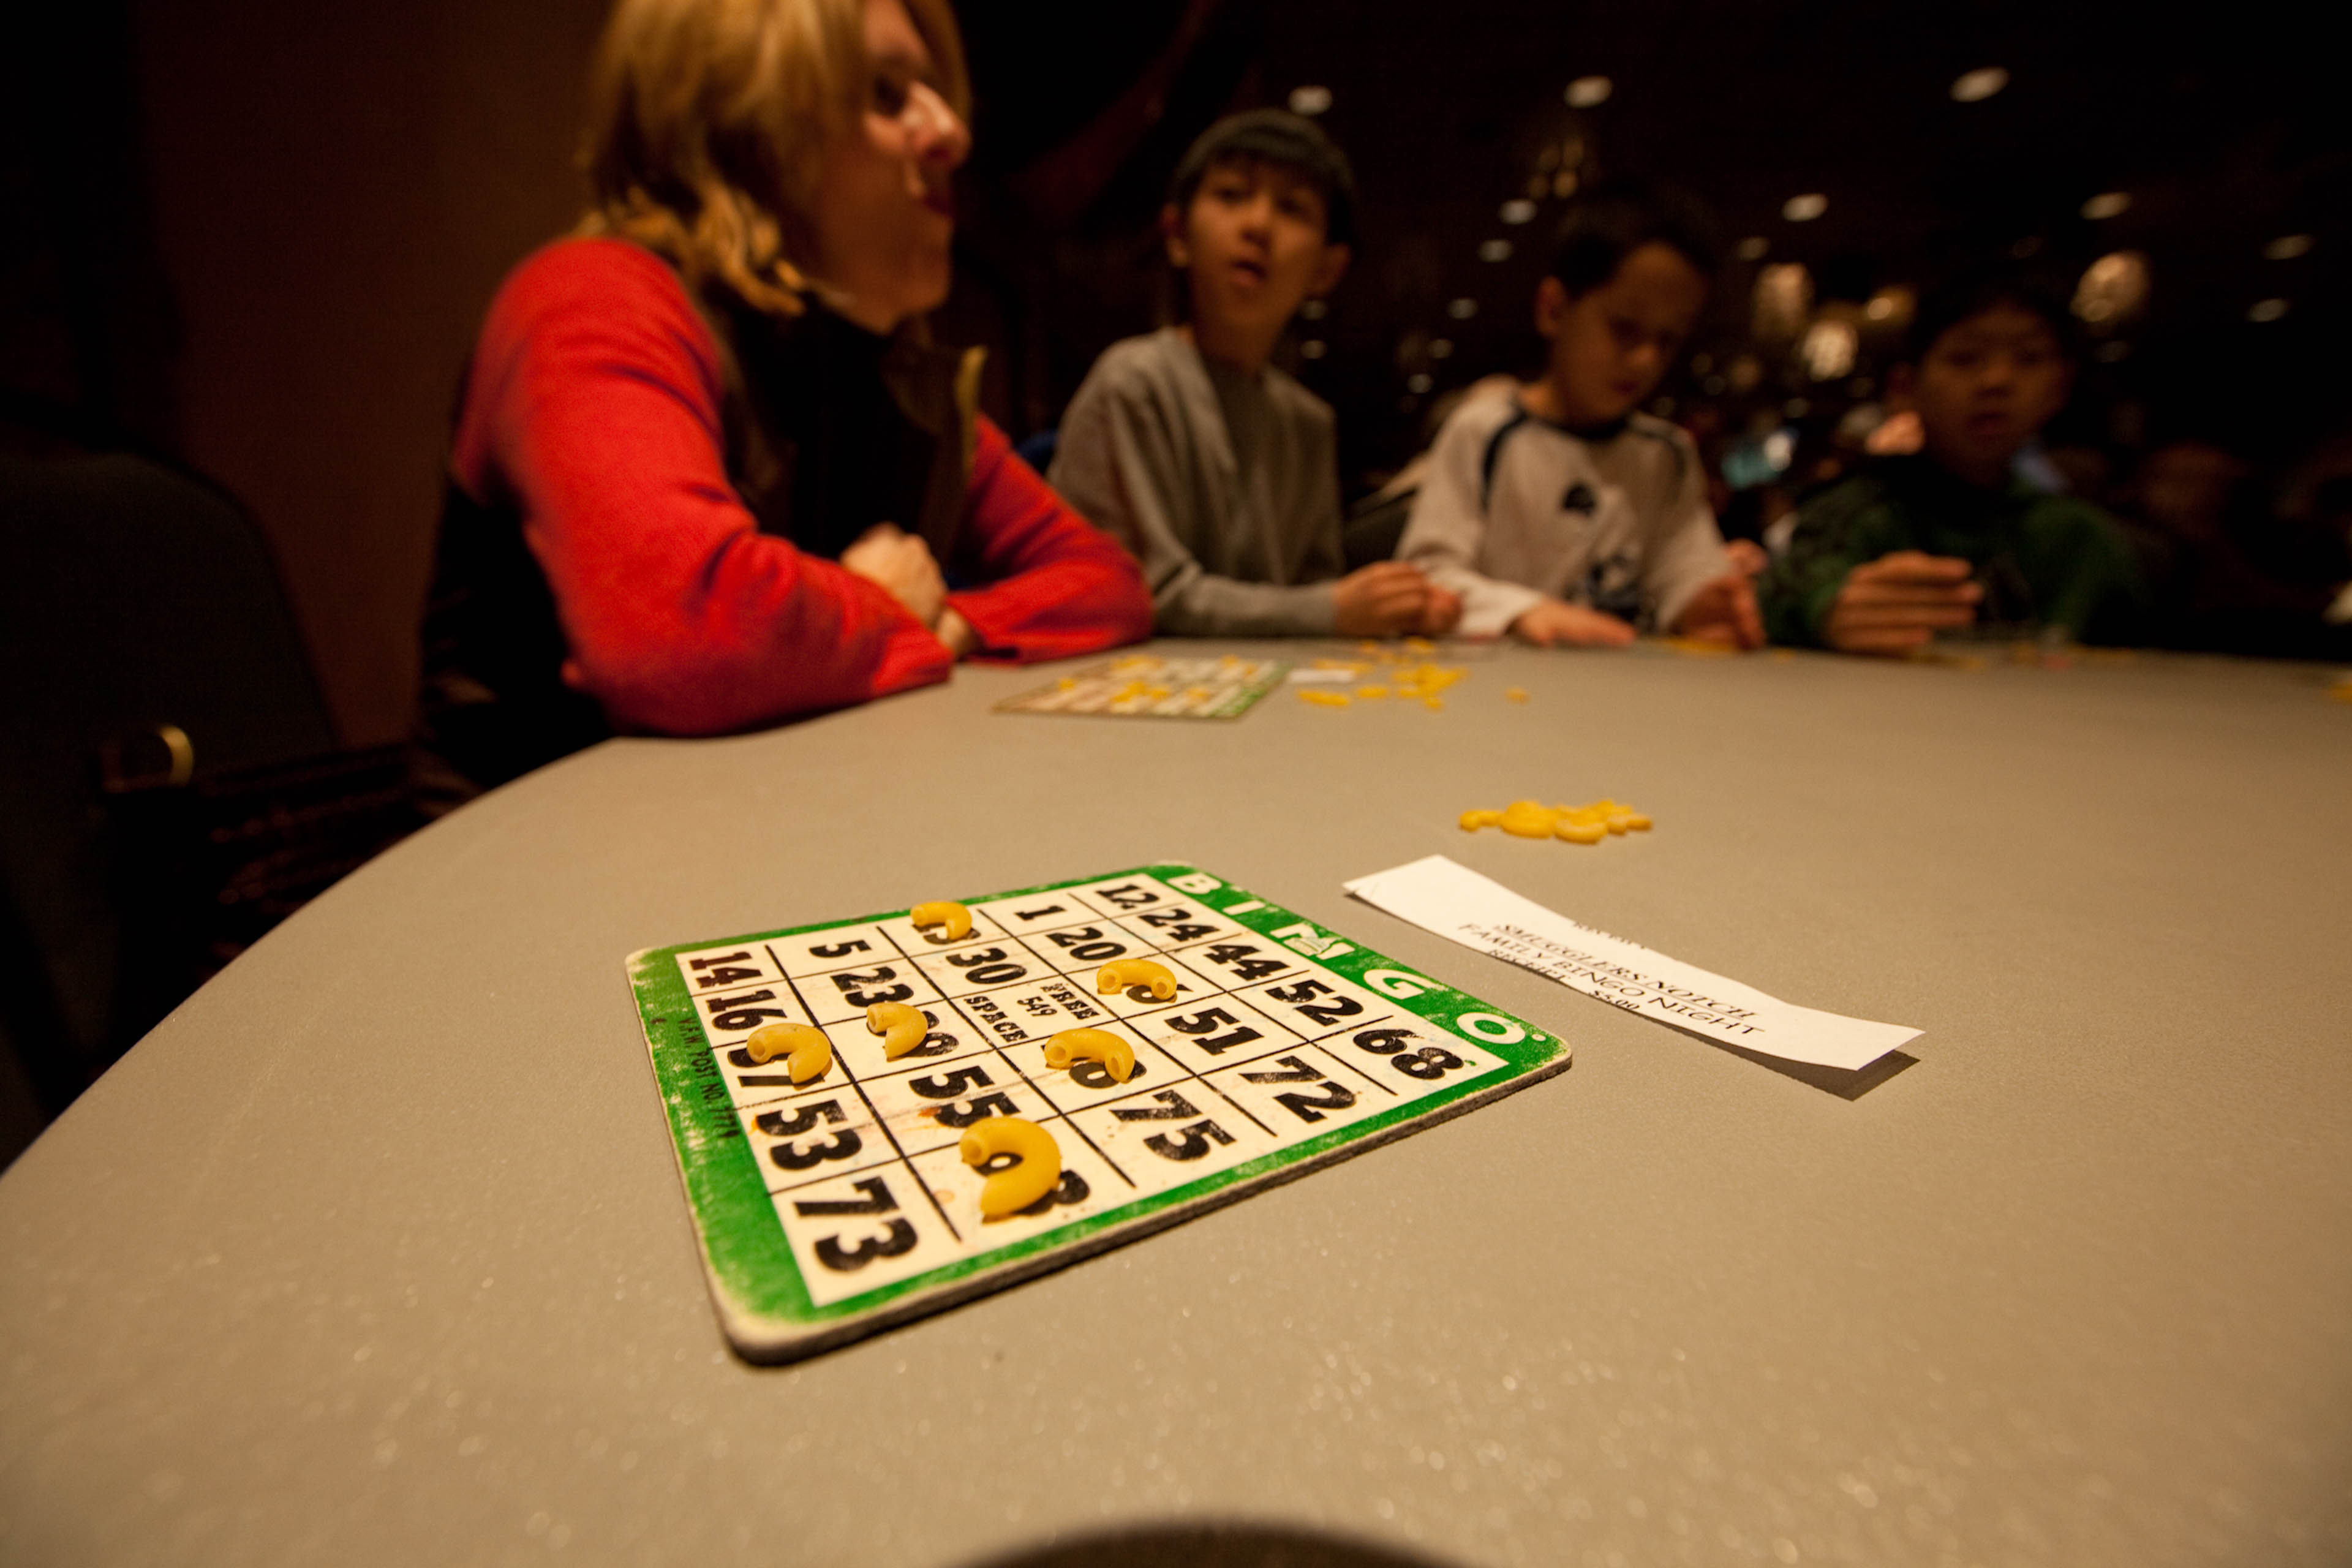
[1123, 972]
[902, 1027]
[1323, 698]
[1529, 820]
[955, 919]
[1576, 824]
[1116, 1055]
[1016, 1186]
[810, 1052]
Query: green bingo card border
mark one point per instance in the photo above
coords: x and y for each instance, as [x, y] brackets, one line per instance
[837, 1207]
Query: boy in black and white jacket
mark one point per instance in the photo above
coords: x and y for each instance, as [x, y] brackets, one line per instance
[1558, 512]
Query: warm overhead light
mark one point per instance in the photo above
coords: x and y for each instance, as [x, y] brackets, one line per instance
[1309, 101]
[2266, 309]
[1891, 306]
[1829, 349]
[1494, 250]
[1462, 309]
[1440, 347]
[1784, 299]
[1418, 382]
[1805, 208]
[1590, 92]
[1518, 212]
[2113, 288]
[1316, 310]
[1754, 248]
[1313, 348]
[1976, 86]
[2108, 205]
[2287, 246]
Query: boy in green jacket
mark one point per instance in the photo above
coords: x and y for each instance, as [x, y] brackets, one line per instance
[1948, 538]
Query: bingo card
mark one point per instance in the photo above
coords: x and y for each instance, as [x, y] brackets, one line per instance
[836, 1207]
[1146, 686]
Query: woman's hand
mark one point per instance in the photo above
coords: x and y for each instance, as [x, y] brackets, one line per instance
[901, 565]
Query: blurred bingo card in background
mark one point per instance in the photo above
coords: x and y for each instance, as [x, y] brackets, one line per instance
[1145, 685]
[844, 1205]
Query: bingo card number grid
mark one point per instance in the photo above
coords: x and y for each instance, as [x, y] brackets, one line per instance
[836, 1207]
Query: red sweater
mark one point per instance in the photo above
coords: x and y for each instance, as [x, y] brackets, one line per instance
[594, 408]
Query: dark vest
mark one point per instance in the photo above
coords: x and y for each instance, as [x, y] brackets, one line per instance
[829, 430]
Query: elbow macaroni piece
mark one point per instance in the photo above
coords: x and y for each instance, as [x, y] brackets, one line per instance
[953, 917]
[902, 1027]
[1116, 1055]
[1576, 824]
[1017, 1187]
[1120, 973]
[809, 1050]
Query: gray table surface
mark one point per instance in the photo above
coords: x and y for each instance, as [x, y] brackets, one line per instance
[376, 1250]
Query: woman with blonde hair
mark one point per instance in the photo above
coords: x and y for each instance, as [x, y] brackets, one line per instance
[710, 469]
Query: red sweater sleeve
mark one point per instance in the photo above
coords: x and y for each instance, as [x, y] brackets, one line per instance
[1056, 585]
[594, 406]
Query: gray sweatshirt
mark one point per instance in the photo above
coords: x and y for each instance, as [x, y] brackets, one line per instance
[1225, 485]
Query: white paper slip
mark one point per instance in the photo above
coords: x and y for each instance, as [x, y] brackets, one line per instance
[1457, 904]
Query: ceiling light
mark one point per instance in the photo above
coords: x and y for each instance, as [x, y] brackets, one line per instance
[1829, 349]
[2113, 288]
[1754, 248]
[1494, 250]
[2108, 205]
[1309, 101]
[1784, 299]
[1518, 212]
[1805, 208]
[1418, 383]
[1590, 92]
[1462, 309]
[1316, 310]
[1313, 348]
[1891, 306]
[2266, 309]
[1976, 86]
[1440, 347]
[2287, 246]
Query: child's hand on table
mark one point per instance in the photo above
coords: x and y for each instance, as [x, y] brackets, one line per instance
[1442, 614]
[1899, 602]
[1724, 611]
[1385, 599]
[1556, 623]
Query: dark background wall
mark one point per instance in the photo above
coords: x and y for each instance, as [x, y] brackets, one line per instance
[258, 234]
[338, 189]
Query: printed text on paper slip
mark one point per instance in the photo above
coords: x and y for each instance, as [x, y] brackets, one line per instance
[1457, 904]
